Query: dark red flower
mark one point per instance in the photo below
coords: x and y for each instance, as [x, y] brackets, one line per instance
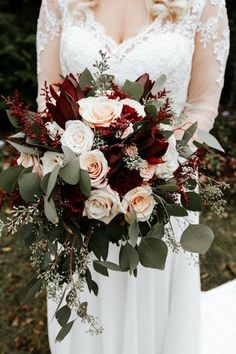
[72, 199]
[151, 145]
[147, 84]
[114, 156]
[66, 106]
[123, 180]
[117, 93]
[130, 114]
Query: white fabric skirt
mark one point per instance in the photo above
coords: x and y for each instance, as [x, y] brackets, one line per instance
[156, 313]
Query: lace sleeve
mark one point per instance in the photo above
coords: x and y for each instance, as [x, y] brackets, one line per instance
[48, 45]
[208, 67]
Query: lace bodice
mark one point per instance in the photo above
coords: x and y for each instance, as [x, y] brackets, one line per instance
[192, 52]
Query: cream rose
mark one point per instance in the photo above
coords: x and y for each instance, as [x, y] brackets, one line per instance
[102, 205]
[77, 136]
[139, 199]
[54, 129]
[134, 104]
[147, 171]
[50, 160]
[171, 158]
[27, 160]
[99, 111]
[97, 166]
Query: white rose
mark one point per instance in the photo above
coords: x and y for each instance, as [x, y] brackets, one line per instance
[171, 158]
[97, 166]
[27, 160]
[102, 205]
[99, 111]
[50, 160]
[136, 105]
[140, 200]
[147, 171]
[77, 136]
[54, 129]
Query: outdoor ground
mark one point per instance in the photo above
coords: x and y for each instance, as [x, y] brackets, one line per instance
[23, 327]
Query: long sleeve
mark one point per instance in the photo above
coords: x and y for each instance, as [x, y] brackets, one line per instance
[208, 66]
[48, 46]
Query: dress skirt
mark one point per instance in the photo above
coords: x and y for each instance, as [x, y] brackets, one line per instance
[156, 313]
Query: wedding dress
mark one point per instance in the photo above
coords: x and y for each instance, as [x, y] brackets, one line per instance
[160, 311]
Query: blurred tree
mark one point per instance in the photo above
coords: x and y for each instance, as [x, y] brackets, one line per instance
[17, 54]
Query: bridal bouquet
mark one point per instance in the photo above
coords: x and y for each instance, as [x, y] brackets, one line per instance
[101, 165]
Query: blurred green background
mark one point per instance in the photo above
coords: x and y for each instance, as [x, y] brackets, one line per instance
[23, 328]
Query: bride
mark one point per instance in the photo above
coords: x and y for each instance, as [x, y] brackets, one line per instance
[187, 41]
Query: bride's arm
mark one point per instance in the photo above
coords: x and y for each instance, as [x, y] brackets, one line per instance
[48, 46]
[208, 67]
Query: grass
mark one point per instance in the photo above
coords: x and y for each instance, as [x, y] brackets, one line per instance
[23, 328]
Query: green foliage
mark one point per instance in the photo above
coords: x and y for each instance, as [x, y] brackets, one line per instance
[17, 41]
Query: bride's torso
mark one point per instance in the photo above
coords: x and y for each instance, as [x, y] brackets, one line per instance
[156, 49]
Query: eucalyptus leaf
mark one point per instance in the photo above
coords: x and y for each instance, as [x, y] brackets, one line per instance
[59, 305]
[25, 149]
[50, 210]
[168, 188]
[192, 201]
[68, 154]
[29, 186]
[65, 330]
[13, 119]
[110, 265]
[134, 232]
[152, 253]
[197, 238]
[52, 180]
[86, 79]
[99, 243]
[44, 183]
[133, 89]
[157, 231]
[85, 183]
[167, 133]
[19, 135]
[71, 172]
[128, 258]
[176, 210]
[159, 84]
[189, 133]
[191, 184]
[63, 315]
[95, 287]
[210, 140]
[88, 277]
[100, 269]
[151, 111]
[9, 178]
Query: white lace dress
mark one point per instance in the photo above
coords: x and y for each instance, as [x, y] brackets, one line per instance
[159, 312]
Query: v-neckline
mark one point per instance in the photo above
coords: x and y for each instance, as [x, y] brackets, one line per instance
[102, 31]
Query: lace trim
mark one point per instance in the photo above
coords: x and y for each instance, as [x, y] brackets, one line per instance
[187, 27]
[210, 32]
[221, 50]
[48, 29]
